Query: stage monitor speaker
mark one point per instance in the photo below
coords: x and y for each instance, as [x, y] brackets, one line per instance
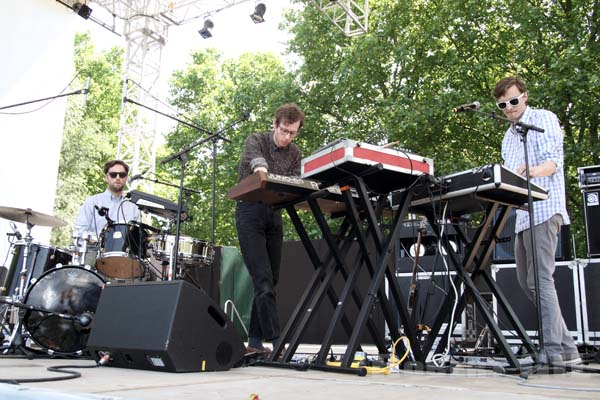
[504, 250]
[591, 210]
[163, 326]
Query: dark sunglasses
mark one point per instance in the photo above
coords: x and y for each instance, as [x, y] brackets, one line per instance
[120, 174]
[513, 102]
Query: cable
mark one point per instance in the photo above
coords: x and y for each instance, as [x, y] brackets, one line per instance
[58, 368]
[43, 105]
[438, 359]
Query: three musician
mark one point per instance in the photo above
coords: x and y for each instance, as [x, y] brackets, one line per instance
[260, 231]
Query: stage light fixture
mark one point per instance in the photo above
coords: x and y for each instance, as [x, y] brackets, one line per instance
[258, 15]
[82, 10]
[205, 31]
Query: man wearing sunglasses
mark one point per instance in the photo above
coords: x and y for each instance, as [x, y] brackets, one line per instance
[94, 212]
[546, 169]
[259, 226]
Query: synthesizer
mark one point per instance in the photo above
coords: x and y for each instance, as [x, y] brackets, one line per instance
[262, 187]
[469, 190]
[345, 158]
[156, 205]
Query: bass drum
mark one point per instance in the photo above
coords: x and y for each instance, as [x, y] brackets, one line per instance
[72, 291]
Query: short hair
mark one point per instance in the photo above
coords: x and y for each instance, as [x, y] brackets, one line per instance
[289, 113]
[504, 84]
[109, 164]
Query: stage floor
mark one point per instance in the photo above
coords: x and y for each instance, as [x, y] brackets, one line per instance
[282, 383]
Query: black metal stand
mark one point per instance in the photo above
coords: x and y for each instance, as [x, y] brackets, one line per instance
[182, 157]
[375, 249]
[472, 269]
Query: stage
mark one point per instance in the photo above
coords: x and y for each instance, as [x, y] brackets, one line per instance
[277, 383]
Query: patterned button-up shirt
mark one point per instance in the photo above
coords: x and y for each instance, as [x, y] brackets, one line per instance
[260, 150]
[541, 146]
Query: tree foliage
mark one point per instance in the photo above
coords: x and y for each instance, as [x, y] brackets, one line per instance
[396, 83]
[400, 81]
[90, 133]
[213, 93]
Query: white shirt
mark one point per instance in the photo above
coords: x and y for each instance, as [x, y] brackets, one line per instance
[120, 210]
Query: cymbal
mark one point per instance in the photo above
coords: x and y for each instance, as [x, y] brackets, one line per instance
[28, 215]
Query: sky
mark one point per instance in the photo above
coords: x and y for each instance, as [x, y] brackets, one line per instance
[233, 34]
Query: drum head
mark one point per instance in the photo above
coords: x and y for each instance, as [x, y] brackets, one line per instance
[72, 291]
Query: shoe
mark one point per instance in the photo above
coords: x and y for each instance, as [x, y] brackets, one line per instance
[264, 351]
[571, 358]
[553, 359]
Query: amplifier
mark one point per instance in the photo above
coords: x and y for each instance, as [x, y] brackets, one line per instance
[589, 176]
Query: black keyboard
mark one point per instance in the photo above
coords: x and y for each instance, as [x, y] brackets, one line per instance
[156, 205]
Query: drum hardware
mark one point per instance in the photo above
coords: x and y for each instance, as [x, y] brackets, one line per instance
[84, 249]
[30, 218]
[193, 253]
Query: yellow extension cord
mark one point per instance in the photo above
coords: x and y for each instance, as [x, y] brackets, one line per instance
[381, 370]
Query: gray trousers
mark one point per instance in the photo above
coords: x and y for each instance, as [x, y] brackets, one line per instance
[557, 339]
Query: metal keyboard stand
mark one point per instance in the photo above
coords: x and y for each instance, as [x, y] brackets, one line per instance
[378, 264]
[478, 253]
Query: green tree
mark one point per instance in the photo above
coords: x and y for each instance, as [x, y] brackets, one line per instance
[90, 133]
[400, 81]
[212, 93]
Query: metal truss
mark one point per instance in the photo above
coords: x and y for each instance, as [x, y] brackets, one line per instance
[145, 29]
[352, 17]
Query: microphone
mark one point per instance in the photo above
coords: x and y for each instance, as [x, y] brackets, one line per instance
[103, 212]
[467, 107]
[139, 176]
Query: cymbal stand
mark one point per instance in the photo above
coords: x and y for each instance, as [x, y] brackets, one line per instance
[16, 338]
[25, 274]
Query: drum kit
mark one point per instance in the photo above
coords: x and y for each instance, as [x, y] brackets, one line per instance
[49, 295]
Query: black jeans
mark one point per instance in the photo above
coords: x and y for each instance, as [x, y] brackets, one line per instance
[260, 234]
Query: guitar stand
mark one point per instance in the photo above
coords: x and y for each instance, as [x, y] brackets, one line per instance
[379, 265]
[472, 270]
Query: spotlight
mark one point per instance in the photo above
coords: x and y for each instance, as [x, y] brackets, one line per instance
[82, 10]
[205, 31]
[259, 13]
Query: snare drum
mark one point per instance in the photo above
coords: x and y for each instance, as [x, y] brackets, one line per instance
[191, 251]
[123, 247]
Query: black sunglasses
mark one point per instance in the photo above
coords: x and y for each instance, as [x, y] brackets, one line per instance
[513, 102]
[114, 174]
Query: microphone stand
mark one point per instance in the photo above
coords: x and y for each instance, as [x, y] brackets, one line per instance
[182, 155]
[185, 189]
[80, 91]
[523, 130]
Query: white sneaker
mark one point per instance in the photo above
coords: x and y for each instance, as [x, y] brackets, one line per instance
[571, 358]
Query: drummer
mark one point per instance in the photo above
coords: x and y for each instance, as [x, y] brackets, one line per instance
[108, 206]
